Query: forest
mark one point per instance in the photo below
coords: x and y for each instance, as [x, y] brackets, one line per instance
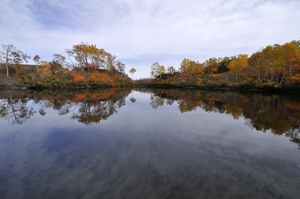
[274, 67]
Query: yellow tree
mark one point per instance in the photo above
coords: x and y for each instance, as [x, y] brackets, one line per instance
[37, 60]
[255, 63]
[291, 53]
[132, 70]
[161, 69]
[237, 65]
[44, 70]
[211, 65]
[111, 61]
[267, 59]
[84, 54]
[190, 67]
[157, 69]
[277, 66]
[195, 68]
[185, 66]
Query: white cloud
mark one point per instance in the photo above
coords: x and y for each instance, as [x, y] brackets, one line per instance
[142, 32]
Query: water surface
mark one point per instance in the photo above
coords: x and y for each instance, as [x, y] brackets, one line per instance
[149, 144]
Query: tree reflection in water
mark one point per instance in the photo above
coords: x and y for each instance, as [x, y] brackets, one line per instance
[278, 113]
[86, 107]
[15, 110]
[93, 111]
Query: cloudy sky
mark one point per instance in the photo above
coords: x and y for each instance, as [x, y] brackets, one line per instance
[140, 32]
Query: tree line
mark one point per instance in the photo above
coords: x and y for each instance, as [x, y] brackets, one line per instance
[273, 65]
[81, 57]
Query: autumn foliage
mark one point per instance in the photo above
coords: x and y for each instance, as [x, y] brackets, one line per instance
[264, 112]
[79, 79]
[274, 67]
[77, 76]
[83, 66]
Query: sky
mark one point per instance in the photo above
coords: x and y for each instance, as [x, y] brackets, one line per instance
[141, 32]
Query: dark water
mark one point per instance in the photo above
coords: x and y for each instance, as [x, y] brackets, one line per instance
[149, 144]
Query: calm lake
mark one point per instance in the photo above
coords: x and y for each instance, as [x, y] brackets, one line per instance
[149, 144]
